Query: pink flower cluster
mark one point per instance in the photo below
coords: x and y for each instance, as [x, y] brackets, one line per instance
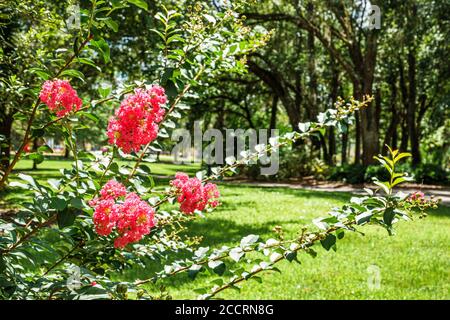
[193, 195]
[136, 121]
[60, 97]
[126, 212]
[417, 196]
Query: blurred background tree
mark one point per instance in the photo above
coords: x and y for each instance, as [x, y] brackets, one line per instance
[319, 50]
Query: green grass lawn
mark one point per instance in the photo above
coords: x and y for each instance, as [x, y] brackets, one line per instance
[414, 264]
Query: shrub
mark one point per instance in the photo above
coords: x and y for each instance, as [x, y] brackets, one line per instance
[423, 173]
[431, 173]
[349, 173]
[101, 217]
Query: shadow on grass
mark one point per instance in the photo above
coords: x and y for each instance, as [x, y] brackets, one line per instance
[219, 231]
[13, 197]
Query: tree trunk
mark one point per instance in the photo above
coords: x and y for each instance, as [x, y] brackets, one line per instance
[331, 146]
[411, 110]
[275, 81]
[333, 98]
[390, 138]
[66, 151]
[325, 152]
[364, 70]
[358, 134]
[405, 137]
[344, 148]
[369, 119]
[273, 112]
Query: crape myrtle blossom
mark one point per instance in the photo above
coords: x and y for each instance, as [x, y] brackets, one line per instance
[126, 213]
[418, 196]
[112, 190]
[193, 195]
[60, 97]
[136, 220]
[135, 123]
[105, 216]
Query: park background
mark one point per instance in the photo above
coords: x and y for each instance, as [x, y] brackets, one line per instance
[317, 51]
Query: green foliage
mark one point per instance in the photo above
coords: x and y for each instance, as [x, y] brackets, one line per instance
[355, 174]
[431, 173]
[49, 248]
[349, 173]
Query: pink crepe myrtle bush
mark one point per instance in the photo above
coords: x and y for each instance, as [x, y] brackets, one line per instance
[111, 226]
[103, 228]
[126, 212]
[60, 97]
[136, 121]
[193, 195]
[133, 218]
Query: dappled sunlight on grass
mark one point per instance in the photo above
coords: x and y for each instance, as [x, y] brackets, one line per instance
[414, 264]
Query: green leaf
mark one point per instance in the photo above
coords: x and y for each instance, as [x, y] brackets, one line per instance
[41, 73]
[73, 73]
[249, 240]
[101, 46]
[169, 124]
[36, 157]
[18, 185]
[275, 256]
[217, 266]
[383, 185]
[210, 18]
[54, 183]
[113, 25]
[66, 218]
[104, 91]
[256, 278]
[159, 33]
[400, 180]
[290, 255]
[328, 242]
[175, 38]
[91, 116]
[88, 62]
[58, 203]
[200, 290]
[342, 126]
[304, 126]
[385, 164]
[45, 148]
[201, 252]
[340, 233]
[236, 254]
[388, 216]
[194, 270]
[77, 203]
[322, 117]
[29, 179]
[114, 168]
[139, 3]
[363, 217]
[401, 156]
